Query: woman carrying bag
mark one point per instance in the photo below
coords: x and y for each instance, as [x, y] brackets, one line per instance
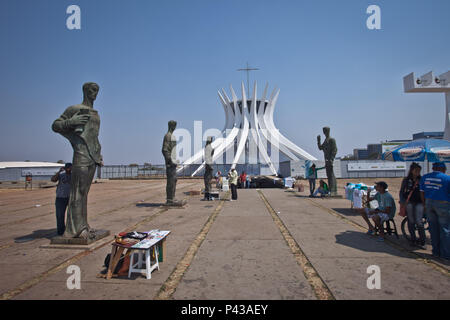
[411, 202]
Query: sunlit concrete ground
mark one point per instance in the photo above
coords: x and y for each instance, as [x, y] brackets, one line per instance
[243, 255]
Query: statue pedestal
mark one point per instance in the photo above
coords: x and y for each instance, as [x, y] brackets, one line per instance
[175, 204]
[99, 234]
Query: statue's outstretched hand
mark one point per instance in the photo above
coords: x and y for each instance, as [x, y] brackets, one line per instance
[79, 119]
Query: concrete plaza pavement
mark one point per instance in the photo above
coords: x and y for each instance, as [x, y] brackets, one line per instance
[252, 248]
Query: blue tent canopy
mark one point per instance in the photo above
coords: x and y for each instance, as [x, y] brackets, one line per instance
[432, 150]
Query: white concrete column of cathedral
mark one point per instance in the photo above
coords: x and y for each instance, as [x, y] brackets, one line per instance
[430, 83]
[250, 120]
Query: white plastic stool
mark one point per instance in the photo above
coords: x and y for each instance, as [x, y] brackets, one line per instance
[137, 267]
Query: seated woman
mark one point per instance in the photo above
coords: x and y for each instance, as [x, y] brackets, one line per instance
[323, 189]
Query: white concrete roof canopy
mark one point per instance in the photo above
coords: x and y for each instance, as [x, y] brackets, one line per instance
[252, 125]
[430, 83]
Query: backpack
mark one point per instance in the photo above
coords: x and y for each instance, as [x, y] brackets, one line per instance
[119, 264]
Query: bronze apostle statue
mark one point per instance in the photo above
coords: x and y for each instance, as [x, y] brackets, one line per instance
[80, 125]
[329, 150]
[209, 153]
[169, 153]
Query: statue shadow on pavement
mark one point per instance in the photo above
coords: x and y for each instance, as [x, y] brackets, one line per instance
[301, 196]
[366, 243]
[431, 257]
[347, 211]
[37, 234]
[149, 205]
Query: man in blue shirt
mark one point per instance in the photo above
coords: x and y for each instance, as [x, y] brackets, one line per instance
[63, 177]
[435, 191]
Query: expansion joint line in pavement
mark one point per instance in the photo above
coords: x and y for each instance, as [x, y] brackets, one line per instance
[414, 255]
[6, 246]
[42, 205]
[52, 212]
[319, 287]
[51, 232]
[170, 285]
[42, 276]
[100, 214]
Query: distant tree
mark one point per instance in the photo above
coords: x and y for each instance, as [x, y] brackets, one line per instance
[60, 161]
[349, 157]
[133, 165]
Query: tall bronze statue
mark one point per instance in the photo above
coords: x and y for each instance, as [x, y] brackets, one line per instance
[169, 153]
[80, 124]
[209, 153]
[329, 150]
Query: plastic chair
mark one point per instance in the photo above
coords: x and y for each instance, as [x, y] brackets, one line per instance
[388, 229]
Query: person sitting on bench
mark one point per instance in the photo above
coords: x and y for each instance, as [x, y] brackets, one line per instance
[384, 212]
[323, 189]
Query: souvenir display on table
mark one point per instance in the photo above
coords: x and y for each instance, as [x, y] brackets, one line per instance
[357, 192]
[126, 242]
[153, 237]
[140, 240]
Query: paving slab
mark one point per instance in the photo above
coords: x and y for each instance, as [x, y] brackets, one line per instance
[400, 279]
[184, 226]
[244, 269]
[244, 256]
[57, 290]
[338, 207]
[341, 254]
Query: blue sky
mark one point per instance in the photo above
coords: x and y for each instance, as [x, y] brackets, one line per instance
[162, 60]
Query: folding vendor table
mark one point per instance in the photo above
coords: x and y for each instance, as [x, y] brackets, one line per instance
[142, 250]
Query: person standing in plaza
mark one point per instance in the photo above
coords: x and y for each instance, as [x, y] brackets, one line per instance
[233, 177]
[435, 192]
[218, 177]
[242, 180]
[63, 177]
[410, 197]
[312, 176]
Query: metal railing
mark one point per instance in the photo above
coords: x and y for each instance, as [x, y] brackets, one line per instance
[159, 171]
